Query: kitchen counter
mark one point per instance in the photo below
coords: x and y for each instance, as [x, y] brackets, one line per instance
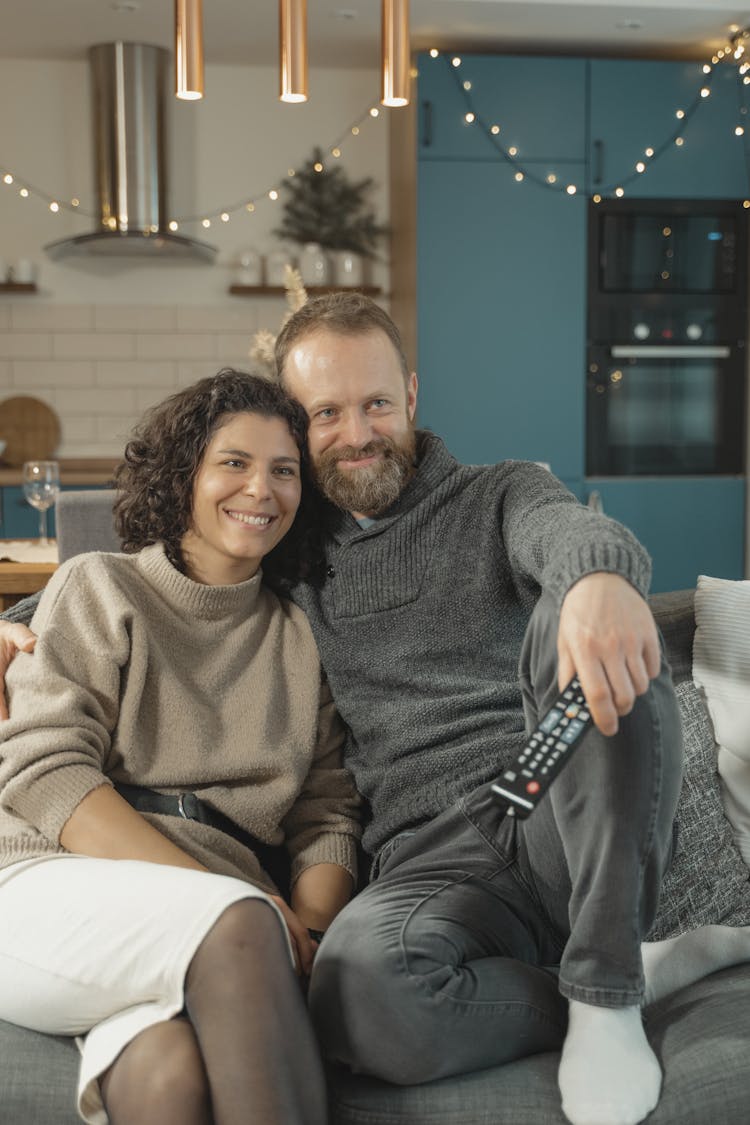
[73, 471]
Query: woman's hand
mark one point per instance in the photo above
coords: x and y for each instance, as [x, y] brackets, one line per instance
[303, 945]
[14, 638]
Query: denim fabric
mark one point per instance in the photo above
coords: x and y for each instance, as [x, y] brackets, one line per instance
[446, 962]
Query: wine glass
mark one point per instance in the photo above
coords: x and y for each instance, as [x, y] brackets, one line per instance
[41, 484]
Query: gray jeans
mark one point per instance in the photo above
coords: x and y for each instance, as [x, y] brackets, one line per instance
[459, 953]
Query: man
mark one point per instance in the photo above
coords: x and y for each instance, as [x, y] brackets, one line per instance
[438, 578]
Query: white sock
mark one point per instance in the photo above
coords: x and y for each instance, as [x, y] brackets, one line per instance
[676, 962]
[608, 1073]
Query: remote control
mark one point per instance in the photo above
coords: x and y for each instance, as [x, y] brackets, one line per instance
[547, 750]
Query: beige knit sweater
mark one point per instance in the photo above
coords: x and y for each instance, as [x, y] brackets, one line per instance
[144, 676]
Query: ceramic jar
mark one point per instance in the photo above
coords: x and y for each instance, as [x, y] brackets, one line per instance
[313, 265]
[348, 268]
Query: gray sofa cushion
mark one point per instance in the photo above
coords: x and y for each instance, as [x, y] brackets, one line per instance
[708, 880]
[699, 1034]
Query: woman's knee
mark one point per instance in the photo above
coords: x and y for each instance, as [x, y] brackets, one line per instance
[246, 926]
[158, 1077]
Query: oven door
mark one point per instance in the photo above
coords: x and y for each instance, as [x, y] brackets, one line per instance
[665, 410]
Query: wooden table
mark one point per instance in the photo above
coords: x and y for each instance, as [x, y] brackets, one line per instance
[18, 580]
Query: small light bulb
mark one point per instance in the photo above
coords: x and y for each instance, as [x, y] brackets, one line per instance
[746, 203]
[649, 152]
[336, 152]
[551, 178]
[455, 61]
[680, 114]
[434, 52]
[640, 166]
[206, 223]
[173, 225]
[518, 177]
[24, 193]
[571, 189]
[250, 207]
[273, 194]
[374, 111]
[291, 172]
[746, 80]
[495, 129]
[75, 202]
[7, 178]
[596, 199]
[739, 131]
[224, 217]
[468, 118]
[513, 151]
[705, 91]
[619, 192]
[467, 85]
[706, 68]
[355, 130]
[54, 207]
[318, 166]
[679, 141]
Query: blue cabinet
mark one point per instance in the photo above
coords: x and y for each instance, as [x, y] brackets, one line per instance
[538, 103]
[18, 520]
[501, 289]
[690, 526]
[633, 105]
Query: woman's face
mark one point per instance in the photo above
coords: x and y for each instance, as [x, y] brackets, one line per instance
[245, 497]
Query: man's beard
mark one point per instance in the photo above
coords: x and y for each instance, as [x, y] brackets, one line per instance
[371, 489]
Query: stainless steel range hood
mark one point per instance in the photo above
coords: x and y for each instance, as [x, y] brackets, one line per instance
[129, 83]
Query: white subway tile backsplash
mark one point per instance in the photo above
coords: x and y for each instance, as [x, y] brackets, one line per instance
[136, 373]
[239, 318]
[176, 346]
[97, 345]
[31, 373]
[51, 318]
[25, 345]
[136, 318]
[97, 401]
[101, 366]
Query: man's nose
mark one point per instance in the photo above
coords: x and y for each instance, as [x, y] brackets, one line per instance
[357, 429]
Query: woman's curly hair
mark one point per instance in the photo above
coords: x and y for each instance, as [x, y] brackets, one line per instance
[155, 478]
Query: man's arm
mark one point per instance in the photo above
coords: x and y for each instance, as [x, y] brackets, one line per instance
[607, 635]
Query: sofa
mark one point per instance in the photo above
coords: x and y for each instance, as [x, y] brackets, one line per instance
[700, 1034]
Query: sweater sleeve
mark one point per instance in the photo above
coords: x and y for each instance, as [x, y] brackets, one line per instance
[22, 611]
[555, 540]
[63, 701]
[323, 824]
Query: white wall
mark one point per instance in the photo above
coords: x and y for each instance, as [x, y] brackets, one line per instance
[103, 339]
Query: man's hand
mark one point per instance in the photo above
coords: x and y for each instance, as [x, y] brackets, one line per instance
[13, 639]
[608, 637]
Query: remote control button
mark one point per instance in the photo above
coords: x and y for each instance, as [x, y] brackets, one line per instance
[509, 775]
[533, 787]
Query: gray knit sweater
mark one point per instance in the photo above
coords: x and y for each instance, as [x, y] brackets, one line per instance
[421, 617]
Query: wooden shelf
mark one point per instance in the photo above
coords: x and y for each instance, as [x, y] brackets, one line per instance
[18, 287]
[280, 291]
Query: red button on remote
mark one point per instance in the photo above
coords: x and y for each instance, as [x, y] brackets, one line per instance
[532, 786]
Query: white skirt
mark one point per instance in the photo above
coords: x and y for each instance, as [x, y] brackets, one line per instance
[99, 949]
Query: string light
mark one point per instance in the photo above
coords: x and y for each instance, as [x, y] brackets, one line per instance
[248, 205]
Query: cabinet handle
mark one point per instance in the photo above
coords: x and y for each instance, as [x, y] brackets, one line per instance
[426, 124]
[598, 162]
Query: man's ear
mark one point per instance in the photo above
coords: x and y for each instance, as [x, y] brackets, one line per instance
[411, 395]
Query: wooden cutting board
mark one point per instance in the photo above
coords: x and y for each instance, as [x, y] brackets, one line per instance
[31, 429]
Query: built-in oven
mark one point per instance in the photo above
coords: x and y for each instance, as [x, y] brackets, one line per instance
[667, 315]
[665, 410]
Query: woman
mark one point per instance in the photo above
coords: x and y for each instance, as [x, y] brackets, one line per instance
[181, 728]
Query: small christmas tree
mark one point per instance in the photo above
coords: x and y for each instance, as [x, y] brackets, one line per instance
[324, 206]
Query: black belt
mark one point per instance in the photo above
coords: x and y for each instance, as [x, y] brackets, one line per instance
[274, 859]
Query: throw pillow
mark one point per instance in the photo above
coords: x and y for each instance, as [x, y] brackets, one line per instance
[707, 881]
[721, 669]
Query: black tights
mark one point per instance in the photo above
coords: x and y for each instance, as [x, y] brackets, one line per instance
[245, 1055]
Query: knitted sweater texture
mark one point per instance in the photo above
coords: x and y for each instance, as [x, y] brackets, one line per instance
[421, 617]
[141, 675]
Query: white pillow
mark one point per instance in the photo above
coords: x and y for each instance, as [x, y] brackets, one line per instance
[721, 671]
